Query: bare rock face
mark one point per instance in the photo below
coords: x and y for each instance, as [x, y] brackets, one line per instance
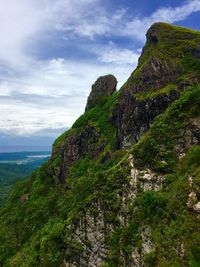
[104, 86]
[91, 231]
[132, 117]
[79, 143]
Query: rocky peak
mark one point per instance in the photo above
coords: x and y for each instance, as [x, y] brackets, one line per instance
[103, 87]
[163, 71]
[162, 32]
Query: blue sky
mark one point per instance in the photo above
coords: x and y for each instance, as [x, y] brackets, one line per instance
[52, 51]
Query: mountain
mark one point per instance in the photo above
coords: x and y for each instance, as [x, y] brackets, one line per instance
[122, 185]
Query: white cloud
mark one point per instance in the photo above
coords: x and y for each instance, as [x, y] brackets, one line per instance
[39, 94]
[137, 27]
[20, 20]
[116, 55]
[24, 22]
[119, 22]
[52, 94]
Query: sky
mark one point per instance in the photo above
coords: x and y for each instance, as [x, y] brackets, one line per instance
[52, 51]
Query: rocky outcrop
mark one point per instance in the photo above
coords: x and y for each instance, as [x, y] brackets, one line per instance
[154, 71]
[90, 233]
[141, 99]
[132, 117]
[103, 87]
[87, 241]
[145, 179]
[189, 136]
[155, 74]
[193, 202]
[84, 140]
[79, 143]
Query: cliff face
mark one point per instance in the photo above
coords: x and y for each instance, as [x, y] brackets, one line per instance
[86, 140]
[103, 87]
[122, 185]
[158, 80]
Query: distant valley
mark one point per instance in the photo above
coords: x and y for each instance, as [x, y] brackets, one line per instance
[15, 166]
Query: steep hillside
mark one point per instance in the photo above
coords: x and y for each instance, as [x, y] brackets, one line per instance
[122, 185]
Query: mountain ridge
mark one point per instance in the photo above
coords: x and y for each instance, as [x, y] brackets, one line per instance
[121, 188]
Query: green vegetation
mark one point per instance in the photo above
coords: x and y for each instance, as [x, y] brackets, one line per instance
[99, 117]
[157, 148]
[40, 215]
[15, 169]
[175, 46]
[152, 93]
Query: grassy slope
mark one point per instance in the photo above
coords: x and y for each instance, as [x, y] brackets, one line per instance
[34, 233]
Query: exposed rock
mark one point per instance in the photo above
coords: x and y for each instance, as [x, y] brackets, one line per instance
[193, 202]
[144, 179]
[147, 247]
[90, 232]
[79, 143]
[24, 198]
[93, 229]
[132, 117]
[103, 87]
[180, 250]
[196, 207]
[155, 74]
[192, 198]
[195, 128]
[147, 243]
[188, 137]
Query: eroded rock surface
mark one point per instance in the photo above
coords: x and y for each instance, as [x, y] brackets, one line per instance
[103, 87]
[132, 117]
[76, 145]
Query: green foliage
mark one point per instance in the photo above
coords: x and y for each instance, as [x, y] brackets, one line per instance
[156, 148]
[150, 259]
[36, 231]
[151, 204]
[16, 169]
[99, 117]
[152, 93]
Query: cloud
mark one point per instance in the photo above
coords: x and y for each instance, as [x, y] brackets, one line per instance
[52, 94]
[26, 22]
[116, 55]
[37, 93]
[137, 27]
[120, 22]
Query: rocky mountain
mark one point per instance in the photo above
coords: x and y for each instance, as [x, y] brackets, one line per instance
[122, 185]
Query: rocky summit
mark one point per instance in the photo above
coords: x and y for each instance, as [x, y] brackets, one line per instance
[122, 187]
[103, 87]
